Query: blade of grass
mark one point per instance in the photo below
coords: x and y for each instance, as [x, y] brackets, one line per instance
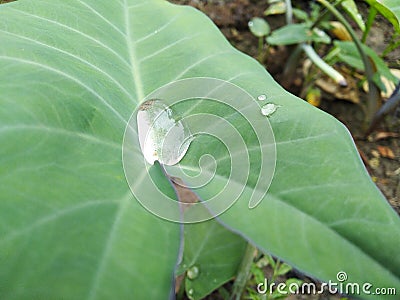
[243, 273]
[371, 18]
[290, 66]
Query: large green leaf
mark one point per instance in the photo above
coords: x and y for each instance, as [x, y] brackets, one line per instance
[70, 227]
[72, 73]
[212, 255]
[390, 9]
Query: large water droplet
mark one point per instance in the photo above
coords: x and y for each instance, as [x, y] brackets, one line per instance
[269, 108]
[193, 272]
[163, 136]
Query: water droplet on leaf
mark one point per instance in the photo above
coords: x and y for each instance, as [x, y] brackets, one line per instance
[269, 108]
[163, 136]
[190, 292]
[193, 272]
[262, 97]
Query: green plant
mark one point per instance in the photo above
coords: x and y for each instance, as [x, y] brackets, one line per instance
[310, 31]
[260, 28]
[262, 284]
[72, 73]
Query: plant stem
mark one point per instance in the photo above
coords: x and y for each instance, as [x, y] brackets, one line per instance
[393, 45]
[371, 17]
[320, 63]
[373, 95]
[289, 12]
[331, 56]
[290, 66]
[389, 106]
[323, 15]
[244, 272]
[260, 47]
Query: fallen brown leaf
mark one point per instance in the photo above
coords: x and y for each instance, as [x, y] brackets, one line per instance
[384, 135]
[349, 93]
[386, 152]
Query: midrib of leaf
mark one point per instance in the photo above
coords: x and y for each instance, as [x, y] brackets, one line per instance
[135, 71]
[134, 62]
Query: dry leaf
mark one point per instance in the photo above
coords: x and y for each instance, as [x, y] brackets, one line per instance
[349, 93]
[393, 173]
[386, 152]
[314, 97]
[375, 153]
[389, 85]
[384, 135]
[374, 163]
[340, 31]
[178, 282]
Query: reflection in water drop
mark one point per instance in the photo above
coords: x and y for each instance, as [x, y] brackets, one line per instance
[193, 272]
[262, 97]
[190, 292]
[162, 135]
[269, 108]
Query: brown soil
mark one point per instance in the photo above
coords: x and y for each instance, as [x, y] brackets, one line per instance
[232, 18]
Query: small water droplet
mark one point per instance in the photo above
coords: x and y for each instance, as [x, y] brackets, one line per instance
[262, 97]
[193, 272]
[251, 24]
[190, 292]
[163, 136]
[268, 109]
[215, 280]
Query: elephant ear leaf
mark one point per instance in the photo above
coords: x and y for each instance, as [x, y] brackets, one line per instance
[69, 225]
[72, 74]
